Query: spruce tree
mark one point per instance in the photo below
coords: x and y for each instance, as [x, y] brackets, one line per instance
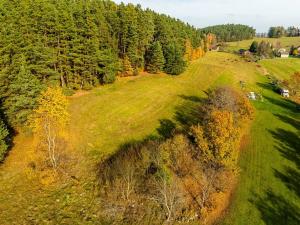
[155, 58]
[254, 47]
[22, 93]
[175, 63]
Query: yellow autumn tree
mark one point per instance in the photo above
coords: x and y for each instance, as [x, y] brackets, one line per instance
[223, 137]
[210, 40]
[188, 56]
[127, 67]
[49, 120]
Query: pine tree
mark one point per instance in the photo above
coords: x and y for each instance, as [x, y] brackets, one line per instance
[22, 93]
[108, 66]
[155, 59]
[254, 47]
[175, 63]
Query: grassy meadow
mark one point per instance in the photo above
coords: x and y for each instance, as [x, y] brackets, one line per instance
[102, 120]
[268, 191]
[286, 42]
[281, 68]
[108, 117]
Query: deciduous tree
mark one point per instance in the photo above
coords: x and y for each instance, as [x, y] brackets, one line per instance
[49, 121]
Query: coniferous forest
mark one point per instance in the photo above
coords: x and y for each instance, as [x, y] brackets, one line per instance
[231, 32]
[80, 44]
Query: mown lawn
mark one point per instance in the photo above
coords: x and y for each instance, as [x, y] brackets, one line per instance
[269, 189]
[286, 42]
[281, 68]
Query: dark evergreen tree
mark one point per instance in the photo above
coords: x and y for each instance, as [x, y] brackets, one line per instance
[22, 92]
[155, 60]
[254, 47]
[175, 63]
[276, 32]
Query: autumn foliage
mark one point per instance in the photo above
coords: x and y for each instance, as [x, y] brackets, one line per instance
[294, 85]
[192, 53]
[184, 178]
[49, 121]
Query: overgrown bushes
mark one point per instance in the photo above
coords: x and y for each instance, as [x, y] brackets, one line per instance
[182, 178]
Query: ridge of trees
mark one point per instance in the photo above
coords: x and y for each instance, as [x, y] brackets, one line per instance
[181, 178]
[280, 31]
[231, 32]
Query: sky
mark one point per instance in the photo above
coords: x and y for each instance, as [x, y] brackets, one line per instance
[260, 14]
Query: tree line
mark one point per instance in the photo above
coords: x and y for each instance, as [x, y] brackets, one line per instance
[183, 176]
[231, 32]
[77, 44]
[280, 31]
[265, 49]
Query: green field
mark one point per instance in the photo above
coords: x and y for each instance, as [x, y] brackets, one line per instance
[108, 117]
[281, 68]
[286, 42]
[268, 192]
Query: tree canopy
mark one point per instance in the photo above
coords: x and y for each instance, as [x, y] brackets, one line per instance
[231, 32]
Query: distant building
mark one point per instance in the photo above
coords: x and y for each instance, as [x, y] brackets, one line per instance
[285, 93]
[252, 96]
[284, 55]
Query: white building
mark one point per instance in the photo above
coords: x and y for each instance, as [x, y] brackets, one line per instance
[285, 93]
[252, 96]
[284, 55]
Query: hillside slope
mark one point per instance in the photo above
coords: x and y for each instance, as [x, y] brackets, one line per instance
[108, 117]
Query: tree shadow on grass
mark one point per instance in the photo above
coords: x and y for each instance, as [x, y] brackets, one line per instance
[167, 128]
[267, 86]
[291, 178]
[189, 113]
[192, 98]
[280, 101]
[291, 121]
[285, 104]
[288, 144]
[276, 210]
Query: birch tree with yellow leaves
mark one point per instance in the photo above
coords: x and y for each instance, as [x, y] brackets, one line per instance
[49, 121]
